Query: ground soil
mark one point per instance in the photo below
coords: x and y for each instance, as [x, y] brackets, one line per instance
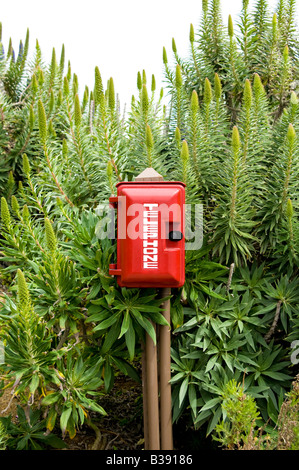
[122, 428]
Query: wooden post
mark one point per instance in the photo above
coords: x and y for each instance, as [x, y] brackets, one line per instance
[152, 395]
[165, 376]
[150, 368]
[157, 419]
[144, 395]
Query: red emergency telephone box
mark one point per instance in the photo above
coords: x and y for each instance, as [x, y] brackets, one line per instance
[150, 234]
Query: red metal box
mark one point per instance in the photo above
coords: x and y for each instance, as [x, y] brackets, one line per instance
[150, 234]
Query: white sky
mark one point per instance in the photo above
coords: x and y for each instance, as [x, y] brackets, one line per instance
[121, 37]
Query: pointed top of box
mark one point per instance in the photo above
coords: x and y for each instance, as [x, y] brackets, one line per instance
[149, 174]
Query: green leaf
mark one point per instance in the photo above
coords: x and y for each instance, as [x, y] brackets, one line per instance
[211, 403]
[183, 390]
[96, 407]
[111, 337]
[94, 291]
[177, 377]
[51, 418]
[130, 340]
[55, 442]
[210, 292]
[125, 324]
[192, 398]
[146, 324]
[107, 323]
[211, 363]
[34, 383]
[65, 415]
[108, 376]
[214, 421]
[159, 318]
[277, 375]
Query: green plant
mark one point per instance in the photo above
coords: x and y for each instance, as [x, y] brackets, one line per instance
[3, 437]
[37, 368]
[229, 336]
[28, 432]
[75, 397]
[241, 414]
[240, 428]
[239, 115]
[129, 314]
[288, 420]
[29, 358]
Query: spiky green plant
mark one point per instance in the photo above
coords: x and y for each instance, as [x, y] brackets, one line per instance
[232, 220]
[29, 358]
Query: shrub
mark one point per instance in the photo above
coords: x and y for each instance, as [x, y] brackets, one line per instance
[241, 415]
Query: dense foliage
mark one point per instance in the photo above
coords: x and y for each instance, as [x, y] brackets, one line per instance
[230, 133]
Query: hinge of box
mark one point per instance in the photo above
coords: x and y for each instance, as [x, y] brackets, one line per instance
[113, 200]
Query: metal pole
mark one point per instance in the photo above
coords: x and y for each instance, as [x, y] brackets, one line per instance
[164, 376]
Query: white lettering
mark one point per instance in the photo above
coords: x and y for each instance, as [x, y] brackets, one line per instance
[150, 258]
[150, 222]
[150, 265]
[150, 231]
[150, 206]
[150, 251]
[147, 243]
[151, 214]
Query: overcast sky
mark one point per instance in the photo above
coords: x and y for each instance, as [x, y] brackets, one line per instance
[121, 37]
